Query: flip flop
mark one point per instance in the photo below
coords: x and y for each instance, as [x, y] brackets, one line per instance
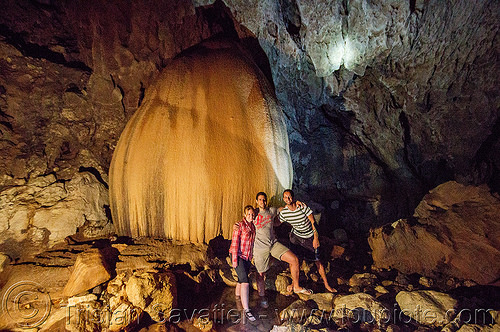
[304, 291]
[249, 316]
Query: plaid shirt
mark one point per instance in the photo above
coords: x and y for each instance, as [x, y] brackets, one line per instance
[242, 241]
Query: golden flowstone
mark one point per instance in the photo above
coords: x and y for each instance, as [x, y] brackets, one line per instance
[208, 136]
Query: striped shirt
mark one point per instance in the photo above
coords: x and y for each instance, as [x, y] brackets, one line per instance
[242, 241]
[298, 219]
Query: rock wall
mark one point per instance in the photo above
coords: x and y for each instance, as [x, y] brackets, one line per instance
[456, 232]
[383, 100]
[71, 75]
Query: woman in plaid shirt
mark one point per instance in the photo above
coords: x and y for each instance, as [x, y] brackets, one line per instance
[241, 252]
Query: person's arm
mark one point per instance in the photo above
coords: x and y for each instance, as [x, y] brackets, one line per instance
[235, 245]
[316, 237]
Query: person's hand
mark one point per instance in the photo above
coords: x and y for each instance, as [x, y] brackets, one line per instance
[315, 243]
[300, 204]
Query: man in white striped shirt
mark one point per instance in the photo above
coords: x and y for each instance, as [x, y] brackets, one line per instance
[304, 234]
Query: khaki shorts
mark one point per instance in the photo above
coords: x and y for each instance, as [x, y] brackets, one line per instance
[261, 257]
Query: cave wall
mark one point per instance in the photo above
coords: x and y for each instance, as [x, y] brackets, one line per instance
[383, 99]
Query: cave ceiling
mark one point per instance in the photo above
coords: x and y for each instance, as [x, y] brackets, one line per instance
[383, 100]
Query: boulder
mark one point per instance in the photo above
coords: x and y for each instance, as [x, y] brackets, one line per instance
[428, 307]
[125, 316]
[90, 270]
[155, 293]
[45, 211]
[453, 226]
[361, 307]
[321, 301]
[337, 252]
[296, 312]
[362, 280]
[478, 328]
[4, 261]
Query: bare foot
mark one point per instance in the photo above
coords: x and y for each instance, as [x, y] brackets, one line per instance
[330, 289]
[302, 290]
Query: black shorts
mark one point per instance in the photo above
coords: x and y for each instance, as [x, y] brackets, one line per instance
[304, 248]
[242, 270]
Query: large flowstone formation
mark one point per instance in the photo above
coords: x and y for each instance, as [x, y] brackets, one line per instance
[208, 136]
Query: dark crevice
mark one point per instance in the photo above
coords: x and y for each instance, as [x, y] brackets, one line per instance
[116, 85]
[408, 155]
[38, 51]
[7, 125]
[74, 89]
[141, 95]
[95, 172]
[291, 17]
[412, 6]
[342, 119]
[484, 156]
[484, 151]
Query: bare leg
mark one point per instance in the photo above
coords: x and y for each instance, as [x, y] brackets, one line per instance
[244, 288]
[321, 270]
[293, 261]
[237, 291]
[261, 285]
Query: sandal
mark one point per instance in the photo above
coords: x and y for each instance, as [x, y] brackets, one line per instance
[304, 291]
[249, 316]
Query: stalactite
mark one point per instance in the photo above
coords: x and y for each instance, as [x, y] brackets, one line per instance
[208, 136]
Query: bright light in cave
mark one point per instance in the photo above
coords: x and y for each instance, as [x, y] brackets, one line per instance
[336, 54]
[343, 52]
[350, 54]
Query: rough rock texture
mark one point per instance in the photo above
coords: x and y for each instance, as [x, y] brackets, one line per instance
[456, 233]
[384, 100]
[428, 307]
[90, 270]
[361, 307]
[44, 210]
[154, 293]
[382, 96]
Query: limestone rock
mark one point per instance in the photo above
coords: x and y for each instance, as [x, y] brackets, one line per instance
[90, 270]
[428, 307]
[362, 308]
[73, 301]
[44, 211]
[322, 301]
[4, 260]
[381, 289]
[455, 224]
[478, 328]
[362, 279]
[337, 252]
[295, 312]
[125, 316]
[85, 317]
[155, 293]
[201, 159]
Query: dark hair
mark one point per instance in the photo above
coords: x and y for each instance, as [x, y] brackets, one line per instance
[261, 193]
[289, 191]
[248, 207]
